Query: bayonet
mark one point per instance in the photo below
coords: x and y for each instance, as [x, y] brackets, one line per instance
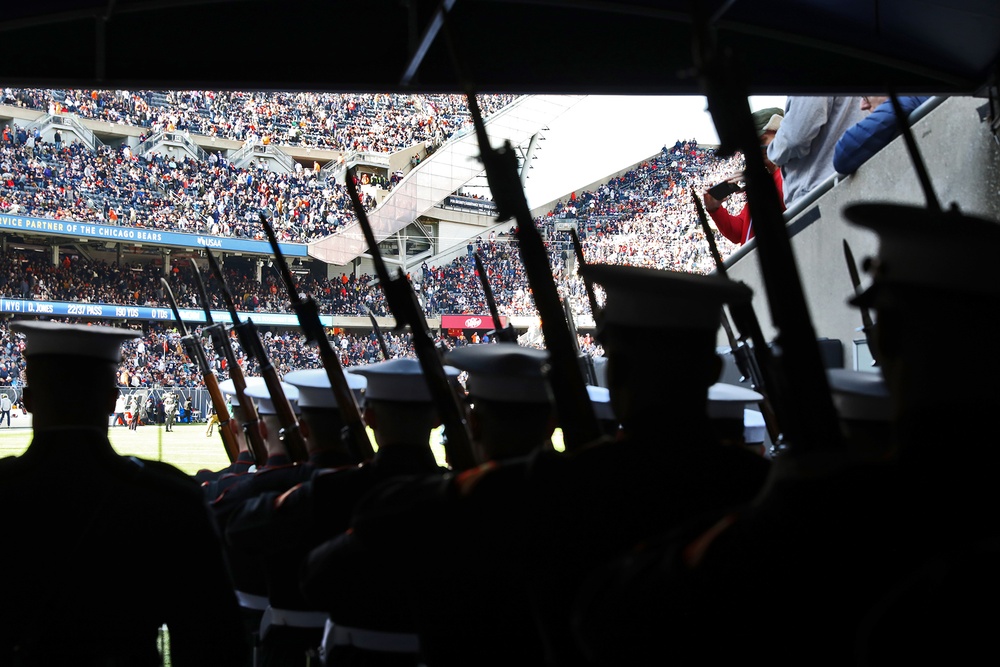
[586, 361]
[868, 326]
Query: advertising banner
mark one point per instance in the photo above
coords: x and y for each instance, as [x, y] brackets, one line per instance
[112, 312]
[140, 235]
[471, 322]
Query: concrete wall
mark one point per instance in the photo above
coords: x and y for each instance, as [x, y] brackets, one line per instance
[963, 159]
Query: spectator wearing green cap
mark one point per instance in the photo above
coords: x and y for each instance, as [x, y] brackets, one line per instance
[738, 227]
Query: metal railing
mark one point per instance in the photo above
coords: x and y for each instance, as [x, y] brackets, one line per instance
[337, 169]
[373, 159]
[181, 138]
[251, 150]
[185, 139]
[148, 144]
[69, 123]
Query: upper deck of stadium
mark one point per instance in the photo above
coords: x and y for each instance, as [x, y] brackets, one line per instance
[202, 161]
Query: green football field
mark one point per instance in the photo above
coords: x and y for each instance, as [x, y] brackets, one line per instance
[186, 446]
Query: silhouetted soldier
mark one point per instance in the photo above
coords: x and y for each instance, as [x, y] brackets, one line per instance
[460, 528]
[667, 464]
[103, 549]
[278, 474]
[370, 620]
[291, 629]
[937, 270]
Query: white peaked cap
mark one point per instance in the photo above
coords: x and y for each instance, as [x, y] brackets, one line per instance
[504, 372]
[73, 340]
[262, 397]
[754, 427]
[228, 387]
[727, 401]
[859, 395]
[912, 241]
[314, 387]
[600, 398]
[398, 380]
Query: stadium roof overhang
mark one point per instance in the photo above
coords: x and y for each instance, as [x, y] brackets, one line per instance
[539, 46]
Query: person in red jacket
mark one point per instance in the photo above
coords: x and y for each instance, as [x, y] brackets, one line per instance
[738, 228]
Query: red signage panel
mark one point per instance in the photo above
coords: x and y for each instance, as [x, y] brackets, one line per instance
[484, 322]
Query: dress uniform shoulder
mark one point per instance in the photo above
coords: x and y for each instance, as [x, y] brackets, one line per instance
[165, 471]
[274, 471]
[400, 505]
[155, 477]
[467, 480]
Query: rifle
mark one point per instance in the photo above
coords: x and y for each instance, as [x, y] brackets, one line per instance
[405, 307]
[221, 343]
[502, 333]
[290, 435]
[378, 335]
[749, 359]
[195, 351]
[800, 391]
[868, 327]
[576, 413]
[750, 371]
[307, 312]
[586, 361]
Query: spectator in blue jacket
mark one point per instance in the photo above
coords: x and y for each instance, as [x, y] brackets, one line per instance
[872, 134]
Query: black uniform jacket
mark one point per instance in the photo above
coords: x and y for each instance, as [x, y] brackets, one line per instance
[101, 550]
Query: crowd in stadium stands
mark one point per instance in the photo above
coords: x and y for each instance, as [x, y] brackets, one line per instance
[115, 187]
[157, 359]
[455, 287]
[380, 123]
[647, 208]
[31, 275]
[640, 209]
[647, 217]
